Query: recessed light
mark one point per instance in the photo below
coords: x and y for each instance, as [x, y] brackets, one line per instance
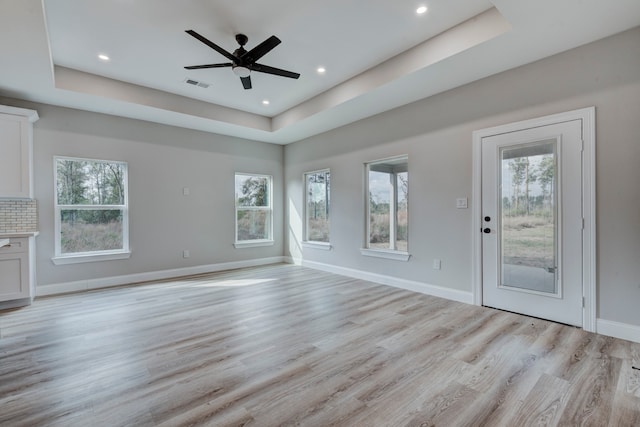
[321, 70]
[265, 102]
[103, 57]
[421, 10]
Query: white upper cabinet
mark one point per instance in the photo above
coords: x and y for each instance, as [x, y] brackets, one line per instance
[16, 152]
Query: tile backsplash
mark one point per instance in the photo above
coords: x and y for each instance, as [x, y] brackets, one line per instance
[18, 216]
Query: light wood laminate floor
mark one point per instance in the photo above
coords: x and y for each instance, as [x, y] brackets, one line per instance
[284, 345]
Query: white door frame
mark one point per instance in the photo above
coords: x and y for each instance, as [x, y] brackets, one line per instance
[587, 115]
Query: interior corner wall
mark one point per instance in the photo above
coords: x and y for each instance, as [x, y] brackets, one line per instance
[162, 160]
[436, 133]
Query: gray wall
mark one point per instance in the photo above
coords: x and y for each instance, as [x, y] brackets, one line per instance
[436, 134]
[162, 160]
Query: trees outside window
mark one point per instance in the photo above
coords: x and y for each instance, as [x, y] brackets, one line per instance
[317, 194]
[91, 207]
[387, 204]
[253, 208]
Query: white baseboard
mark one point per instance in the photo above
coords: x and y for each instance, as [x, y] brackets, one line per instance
[423, 288]
[618, 330]
[106, 282]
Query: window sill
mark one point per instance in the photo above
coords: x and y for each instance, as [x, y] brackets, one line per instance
[317, 245]
[387, 254]
[253, 244]
[76, 259]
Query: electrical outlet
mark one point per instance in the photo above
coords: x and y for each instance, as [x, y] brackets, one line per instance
[186, 254]
[185, 192]
[437, 264]
[461, 203]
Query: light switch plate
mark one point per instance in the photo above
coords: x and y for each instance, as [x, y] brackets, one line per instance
[461, 203]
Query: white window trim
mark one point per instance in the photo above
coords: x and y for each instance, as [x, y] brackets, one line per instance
[323, 246]
[240, 244]
[79, 257]
[253, 243]
[313, 243]
[90, 257]
[389, 253]
[386, 254]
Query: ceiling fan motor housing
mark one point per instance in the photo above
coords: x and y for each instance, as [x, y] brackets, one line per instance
[239, 68]
[239, 52]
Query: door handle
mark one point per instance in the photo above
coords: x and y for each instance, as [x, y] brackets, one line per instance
[486, 230]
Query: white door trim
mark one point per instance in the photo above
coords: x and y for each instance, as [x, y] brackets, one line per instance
[587, 115]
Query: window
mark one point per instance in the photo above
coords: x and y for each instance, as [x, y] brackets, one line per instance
[253, 210]
[317, 206]
[387, 208]
[91, 210]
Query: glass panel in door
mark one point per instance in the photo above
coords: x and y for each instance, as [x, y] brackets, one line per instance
[528, 217]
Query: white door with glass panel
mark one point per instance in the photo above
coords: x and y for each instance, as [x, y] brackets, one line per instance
[532, 222]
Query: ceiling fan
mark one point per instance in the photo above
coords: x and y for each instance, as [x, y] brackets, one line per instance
[242, 61]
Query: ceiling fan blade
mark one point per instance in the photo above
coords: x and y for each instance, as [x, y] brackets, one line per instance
[276, 71]
[197, 67]
[246, 82]
[261, 50]
[211, 44]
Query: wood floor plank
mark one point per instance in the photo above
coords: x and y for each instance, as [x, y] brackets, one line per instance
[544, 404]
[591, 399]
[283, 345]
[443, 408]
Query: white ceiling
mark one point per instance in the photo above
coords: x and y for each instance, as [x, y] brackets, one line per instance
[378, 55]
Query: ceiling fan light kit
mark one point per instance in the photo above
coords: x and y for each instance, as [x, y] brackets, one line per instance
[241, 71]
[243, 62]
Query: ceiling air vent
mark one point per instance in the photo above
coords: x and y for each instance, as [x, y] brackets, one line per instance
[196, 83]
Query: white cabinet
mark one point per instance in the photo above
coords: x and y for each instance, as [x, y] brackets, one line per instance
[17, 277]
[16, 152]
